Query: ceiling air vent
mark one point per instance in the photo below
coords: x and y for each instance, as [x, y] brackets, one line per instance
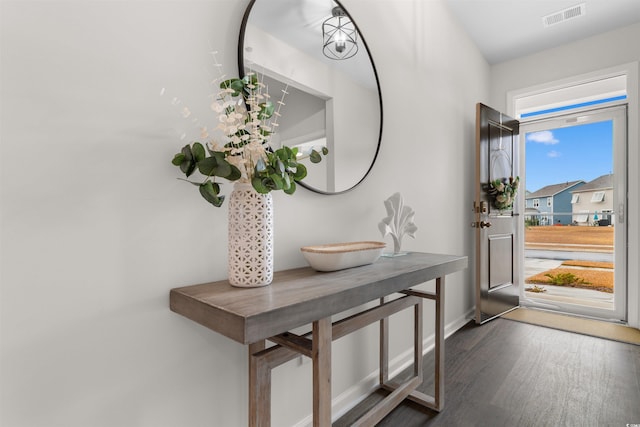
[565, 15]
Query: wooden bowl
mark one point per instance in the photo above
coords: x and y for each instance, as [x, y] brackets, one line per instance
[338, 256]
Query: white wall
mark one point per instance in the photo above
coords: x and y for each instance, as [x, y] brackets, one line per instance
[96, 229]
[612, 50]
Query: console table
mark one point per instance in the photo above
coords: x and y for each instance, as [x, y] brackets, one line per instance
[303, 296]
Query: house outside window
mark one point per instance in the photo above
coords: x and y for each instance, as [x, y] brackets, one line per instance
[544, 203]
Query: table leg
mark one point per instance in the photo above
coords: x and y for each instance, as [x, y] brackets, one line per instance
[435, 402]
[321, 357]
[259, 387]
[417, 340]
[439, 345]
[384, 347]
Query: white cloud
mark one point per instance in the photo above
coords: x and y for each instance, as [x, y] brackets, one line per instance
[543, 137]
[553, 154]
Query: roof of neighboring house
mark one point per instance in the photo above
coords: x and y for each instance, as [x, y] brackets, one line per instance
[553, 189]
[603, 182]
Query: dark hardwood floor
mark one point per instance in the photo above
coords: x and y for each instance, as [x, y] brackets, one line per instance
[507, 373]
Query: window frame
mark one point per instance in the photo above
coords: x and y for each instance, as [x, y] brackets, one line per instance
[596, 199]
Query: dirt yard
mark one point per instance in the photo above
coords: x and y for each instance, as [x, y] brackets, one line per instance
[569, 237]
[598, 279]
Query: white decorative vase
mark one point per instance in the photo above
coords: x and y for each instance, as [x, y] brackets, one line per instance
[250, 237]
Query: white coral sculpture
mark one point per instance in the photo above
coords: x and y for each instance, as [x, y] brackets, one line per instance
[398, 222]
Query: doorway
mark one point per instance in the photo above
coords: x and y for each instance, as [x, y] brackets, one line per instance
[575, 233]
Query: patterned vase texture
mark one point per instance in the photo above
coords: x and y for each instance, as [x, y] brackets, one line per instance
[250, 237]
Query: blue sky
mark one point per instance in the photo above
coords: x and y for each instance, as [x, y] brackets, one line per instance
[568, 154]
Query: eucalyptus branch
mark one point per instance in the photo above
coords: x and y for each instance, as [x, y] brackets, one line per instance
[246, 154]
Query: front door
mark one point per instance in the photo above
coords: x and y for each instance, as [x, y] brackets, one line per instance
[496, 213]
[590, 248]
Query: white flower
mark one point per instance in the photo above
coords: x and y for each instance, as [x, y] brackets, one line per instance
[239, 121]
[214, 146]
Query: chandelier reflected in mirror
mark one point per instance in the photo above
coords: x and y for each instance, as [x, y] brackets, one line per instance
[340, 38]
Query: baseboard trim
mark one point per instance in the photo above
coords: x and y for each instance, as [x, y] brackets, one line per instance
[355, 394]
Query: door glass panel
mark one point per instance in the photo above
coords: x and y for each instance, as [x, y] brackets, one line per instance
[500, 154]
[573, 245]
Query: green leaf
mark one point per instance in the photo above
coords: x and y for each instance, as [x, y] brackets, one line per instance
[315, 157]
[186, 150]
[198, 152]
[280, 166]
[234, 175]
[223, 169]
[266, 110]
[259, 185]
[291, 189]
[285, 153]
[210, 193]
[325, 150]
[211, 166]
[300, 173]
[236, 84]
[178, 159]
[188, 166]
[219, 155]
[277, 181]
[207, 166]
[250, 79]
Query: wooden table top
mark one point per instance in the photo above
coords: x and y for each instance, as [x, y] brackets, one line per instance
[300, 296]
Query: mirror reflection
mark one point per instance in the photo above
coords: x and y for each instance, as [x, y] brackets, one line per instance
[330, 101]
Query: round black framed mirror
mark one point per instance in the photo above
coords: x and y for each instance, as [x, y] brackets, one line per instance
[330, 101]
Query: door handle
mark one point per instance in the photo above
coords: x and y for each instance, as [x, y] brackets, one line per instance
[481, 224]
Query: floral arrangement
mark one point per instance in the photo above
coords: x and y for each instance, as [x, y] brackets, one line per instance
[503, 191]
[245, 115]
